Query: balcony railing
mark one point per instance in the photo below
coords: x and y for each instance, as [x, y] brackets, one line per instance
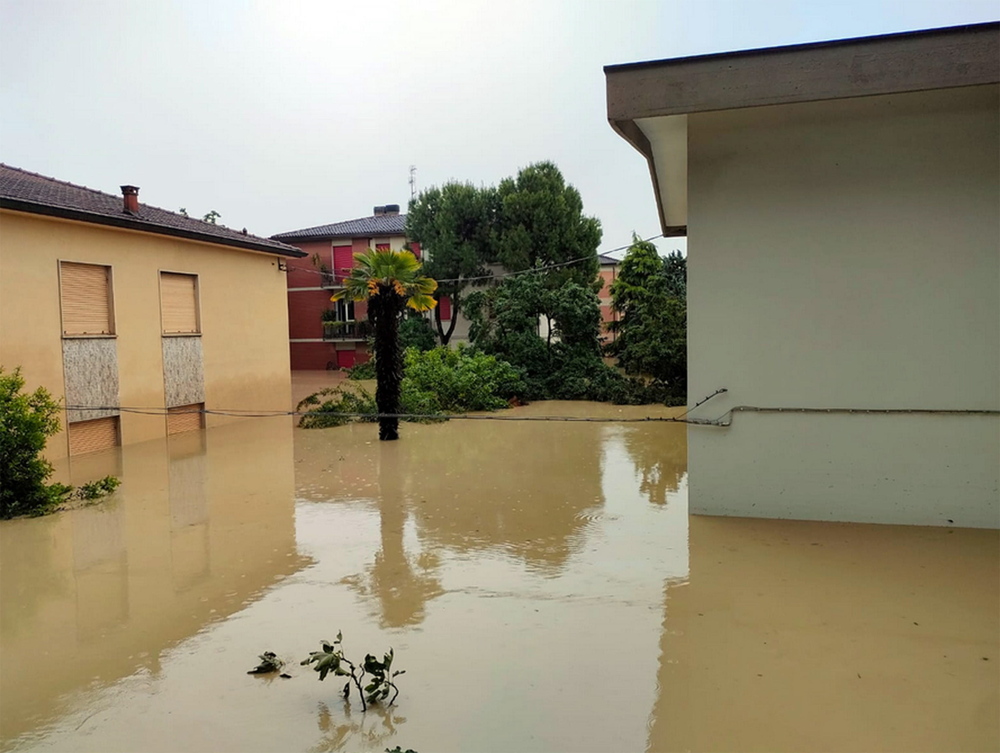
[347, 330]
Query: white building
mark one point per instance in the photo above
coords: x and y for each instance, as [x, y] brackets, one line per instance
[842, 206]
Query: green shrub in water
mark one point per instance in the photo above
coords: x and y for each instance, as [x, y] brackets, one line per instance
[461, 379]
[362, 371]
[27, 420]
[379, 677]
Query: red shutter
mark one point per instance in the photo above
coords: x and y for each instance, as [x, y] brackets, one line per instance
[415, 248]
[345, 359]
[445, 305]
[383, 247]
[343, 260]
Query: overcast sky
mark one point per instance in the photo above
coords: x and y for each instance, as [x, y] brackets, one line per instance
[283, 114]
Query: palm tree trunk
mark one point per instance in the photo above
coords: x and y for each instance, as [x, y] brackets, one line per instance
[386, 307]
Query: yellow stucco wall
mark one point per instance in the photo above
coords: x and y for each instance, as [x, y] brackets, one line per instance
[846, 254]
[243, 309]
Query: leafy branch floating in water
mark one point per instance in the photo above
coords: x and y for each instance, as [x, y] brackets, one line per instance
[269, 662]
[381, 676]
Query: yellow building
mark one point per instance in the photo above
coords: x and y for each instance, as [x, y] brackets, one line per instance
[116, 306]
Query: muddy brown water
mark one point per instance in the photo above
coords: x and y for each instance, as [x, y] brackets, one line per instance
[541, 583]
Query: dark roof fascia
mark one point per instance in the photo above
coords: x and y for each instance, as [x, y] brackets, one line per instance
[133, 223]
[866, 66]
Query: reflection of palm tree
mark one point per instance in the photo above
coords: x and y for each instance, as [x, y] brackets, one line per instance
[402, 584]
[390, 282]
[659, 453]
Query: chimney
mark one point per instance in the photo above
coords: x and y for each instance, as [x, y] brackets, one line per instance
[131, 197]
[378, 211]
[390, 209]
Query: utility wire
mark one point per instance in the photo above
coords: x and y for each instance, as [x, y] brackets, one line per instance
[498, 276]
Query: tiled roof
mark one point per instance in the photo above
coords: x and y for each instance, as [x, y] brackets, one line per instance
[365, 227]
[606, 260]
[29, 192]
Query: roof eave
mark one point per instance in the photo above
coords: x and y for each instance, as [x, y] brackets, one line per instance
[870, 66]
[131, 223]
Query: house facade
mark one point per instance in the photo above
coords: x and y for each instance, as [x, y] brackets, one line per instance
[608, 274]
[137, 318]
[842, 207]
[325, 334]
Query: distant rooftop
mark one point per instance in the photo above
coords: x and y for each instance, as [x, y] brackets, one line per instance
[25, 191]
[382, 223]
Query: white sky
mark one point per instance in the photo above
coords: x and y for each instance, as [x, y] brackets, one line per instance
[288, 114]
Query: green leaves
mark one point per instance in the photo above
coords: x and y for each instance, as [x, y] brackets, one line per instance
[332, 659]
[649, 294]
[27, 420]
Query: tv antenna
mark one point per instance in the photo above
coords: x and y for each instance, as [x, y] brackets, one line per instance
[413, 181]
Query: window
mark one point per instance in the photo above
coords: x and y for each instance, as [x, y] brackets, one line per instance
[85, 291]
[343, 260]
[179, 304]
[382, 247]
[185, 418]
[345, 310]
[91, 436]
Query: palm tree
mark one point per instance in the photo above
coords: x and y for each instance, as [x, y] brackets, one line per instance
[389, 281]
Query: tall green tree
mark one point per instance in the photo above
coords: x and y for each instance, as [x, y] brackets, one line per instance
[541, 223]
[651, 332]
[390, 281]
[456, 225]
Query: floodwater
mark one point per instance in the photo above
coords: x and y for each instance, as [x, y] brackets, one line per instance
[541, 583]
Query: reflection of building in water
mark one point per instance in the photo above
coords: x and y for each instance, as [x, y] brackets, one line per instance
[522, 490]
[190, 544]
[526, 491]
[808, 636]
[194, 532]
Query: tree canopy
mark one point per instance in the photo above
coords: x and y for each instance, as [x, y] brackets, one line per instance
[541, 223]
[533, 220]
[651, 333]
[456, 223]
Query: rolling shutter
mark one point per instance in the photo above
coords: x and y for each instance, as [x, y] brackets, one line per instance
[184, 418]
[91, 436]
[343, 260]
[86, 299]
[178, 303]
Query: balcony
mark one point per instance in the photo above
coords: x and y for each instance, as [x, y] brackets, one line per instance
[340, 331]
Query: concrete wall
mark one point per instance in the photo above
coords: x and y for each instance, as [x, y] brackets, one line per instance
[846, 254]
[243, 313]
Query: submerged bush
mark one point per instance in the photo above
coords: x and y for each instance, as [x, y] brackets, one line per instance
[462, 379]
[336, 406]
[415, 332]
[362, 371]
[26, 423]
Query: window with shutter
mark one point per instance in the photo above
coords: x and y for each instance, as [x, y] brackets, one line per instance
[179, 304]
[91, 436]
[85, 290]
[185, 418]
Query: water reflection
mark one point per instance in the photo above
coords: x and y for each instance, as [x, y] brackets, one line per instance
[792, 636]
[660, 459]
[372, 729]
[98, 593]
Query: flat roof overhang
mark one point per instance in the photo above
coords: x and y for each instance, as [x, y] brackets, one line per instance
[648, 102]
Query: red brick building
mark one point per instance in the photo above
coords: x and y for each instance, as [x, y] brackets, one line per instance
[324, 334]
[609, 271]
